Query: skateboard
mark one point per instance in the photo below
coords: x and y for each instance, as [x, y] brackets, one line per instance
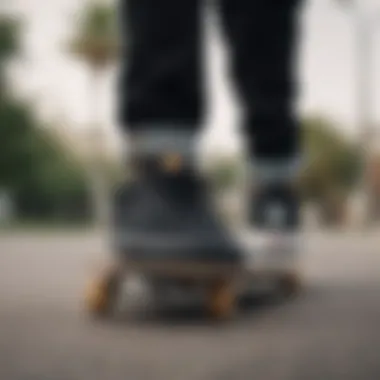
[146, 285]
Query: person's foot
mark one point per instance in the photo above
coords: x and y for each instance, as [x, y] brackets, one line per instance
[275, 217]
[165, 213]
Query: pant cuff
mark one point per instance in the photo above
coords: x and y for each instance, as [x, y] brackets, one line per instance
[270, 171]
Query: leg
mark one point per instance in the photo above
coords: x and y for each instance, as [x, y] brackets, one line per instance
[161, 92]
[164, 225]
[262, 36]
[163, 110]
[263, 39]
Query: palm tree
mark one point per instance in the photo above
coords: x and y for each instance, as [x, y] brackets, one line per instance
[95, 42]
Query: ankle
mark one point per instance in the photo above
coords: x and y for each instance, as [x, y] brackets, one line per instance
[268, 172]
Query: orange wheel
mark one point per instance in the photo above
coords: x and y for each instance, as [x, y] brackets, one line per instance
[222, 300]
[290, 284]
[100, 293]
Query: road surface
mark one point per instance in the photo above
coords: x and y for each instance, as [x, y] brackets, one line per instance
[330, 333]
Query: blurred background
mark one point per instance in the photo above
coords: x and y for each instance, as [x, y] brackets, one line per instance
[61, 155]
[61, 150]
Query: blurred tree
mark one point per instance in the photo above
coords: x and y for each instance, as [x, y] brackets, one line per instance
[333, 166]
[9, 37]
[95, 42]
[333, 161]
[15, 118]
[34, 167]
[95, 38]
[9, 47]
[16, 143]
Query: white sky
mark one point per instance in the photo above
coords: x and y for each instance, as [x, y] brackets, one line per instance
[60, 85]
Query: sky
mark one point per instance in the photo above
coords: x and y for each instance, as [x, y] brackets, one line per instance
[60, 85]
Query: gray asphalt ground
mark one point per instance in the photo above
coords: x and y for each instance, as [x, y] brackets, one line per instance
[331, 332]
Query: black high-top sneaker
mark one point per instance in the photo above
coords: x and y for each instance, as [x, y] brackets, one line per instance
[165, 214]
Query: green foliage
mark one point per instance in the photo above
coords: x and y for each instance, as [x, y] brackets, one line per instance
[96, 39]
[9, 48]
[9, 38]
[16, 144]
[34, 167]
[333, 162]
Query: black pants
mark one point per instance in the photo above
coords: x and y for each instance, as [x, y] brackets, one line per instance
[162, 68]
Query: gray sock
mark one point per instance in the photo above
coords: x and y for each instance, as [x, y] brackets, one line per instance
[275, 171]
[159, 141]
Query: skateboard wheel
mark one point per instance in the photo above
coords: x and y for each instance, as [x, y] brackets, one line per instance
[222, 300]
[290, 284]
[101, 293]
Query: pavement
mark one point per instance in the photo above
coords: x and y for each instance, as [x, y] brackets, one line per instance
[330, 332]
